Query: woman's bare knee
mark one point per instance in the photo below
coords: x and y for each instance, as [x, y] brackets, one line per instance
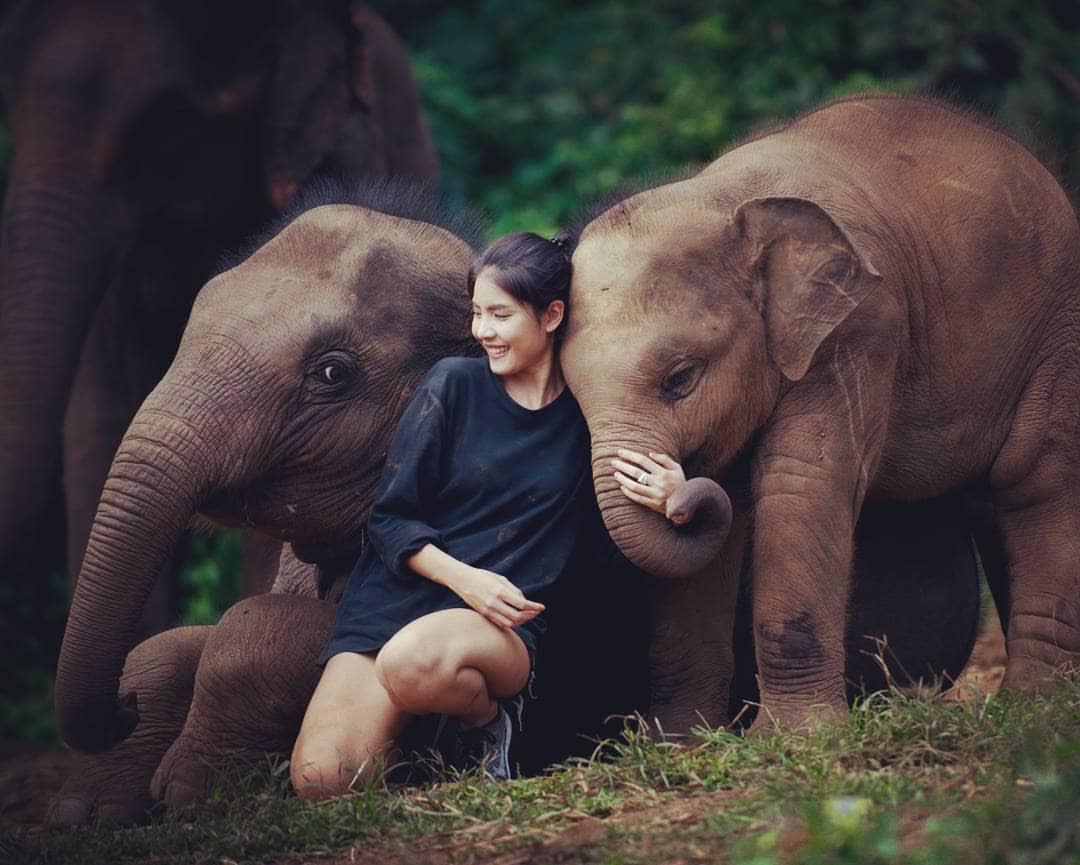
[414, 672]
[323, 770]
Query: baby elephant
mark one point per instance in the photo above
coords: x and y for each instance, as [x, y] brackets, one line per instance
[877, 301]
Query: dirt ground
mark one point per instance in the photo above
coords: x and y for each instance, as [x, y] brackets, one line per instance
[30, 775]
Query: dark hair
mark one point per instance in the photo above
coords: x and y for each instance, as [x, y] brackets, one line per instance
[532, 269]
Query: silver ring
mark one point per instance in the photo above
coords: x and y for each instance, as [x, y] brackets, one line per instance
[643, 479]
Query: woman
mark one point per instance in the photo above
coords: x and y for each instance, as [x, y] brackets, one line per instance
[476, 511]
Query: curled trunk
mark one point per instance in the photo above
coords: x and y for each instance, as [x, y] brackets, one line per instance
[677, 545]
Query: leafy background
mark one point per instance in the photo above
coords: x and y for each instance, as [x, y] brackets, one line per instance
[540, 106]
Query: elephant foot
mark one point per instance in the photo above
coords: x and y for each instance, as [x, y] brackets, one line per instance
[675, 723]
[799, 720]
[106, 788]
[189, 773]
[1030, 676]
[180, 781]
[114, 786]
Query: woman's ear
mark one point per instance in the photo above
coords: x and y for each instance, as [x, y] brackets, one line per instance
[553, 316]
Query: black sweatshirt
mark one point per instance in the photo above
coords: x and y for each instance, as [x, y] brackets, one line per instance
[491, 483]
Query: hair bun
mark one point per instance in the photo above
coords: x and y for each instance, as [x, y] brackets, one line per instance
[562, 240]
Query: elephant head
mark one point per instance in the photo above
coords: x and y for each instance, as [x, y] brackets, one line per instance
[689, 317]
[147, 138]
[276, 414]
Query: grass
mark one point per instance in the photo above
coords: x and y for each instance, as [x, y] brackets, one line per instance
[905, 779]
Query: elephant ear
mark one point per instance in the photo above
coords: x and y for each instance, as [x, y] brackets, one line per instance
[322, 98]
[809, 275]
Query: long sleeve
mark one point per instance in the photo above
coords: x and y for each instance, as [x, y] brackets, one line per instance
[398, 525]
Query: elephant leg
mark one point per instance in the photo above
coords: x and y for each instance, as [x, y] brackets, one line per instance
[115, 372]
[1042, 633]
[916, 590]
[1035, 480]
[115, 786]
[692, 670]
[253, 684]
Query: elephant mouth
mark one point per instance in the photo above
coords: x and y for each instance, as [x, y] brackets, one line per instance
[298, 518]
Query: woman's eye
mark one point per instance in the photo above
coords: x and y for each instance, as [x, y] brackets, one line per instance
[502, 316]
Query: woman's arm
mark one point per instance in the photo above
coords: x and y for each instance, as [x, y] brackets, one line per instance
[398, 524]
[492, 595]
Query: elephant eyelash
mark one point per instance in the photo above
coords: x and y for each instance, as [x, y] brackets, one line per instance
[332, 377]
[680, 381]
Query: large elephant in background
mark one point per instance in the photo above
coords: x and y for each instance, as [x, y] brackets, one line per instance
[148, 138]
[878, 301]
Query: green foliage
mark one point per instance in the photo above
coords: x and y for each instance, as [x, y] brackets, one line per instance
[33, 609]
[543, 106]
[210, 576]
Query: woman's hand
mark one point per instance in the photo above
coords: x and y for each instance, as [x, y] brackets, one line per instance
[649, 479]
[494, 597]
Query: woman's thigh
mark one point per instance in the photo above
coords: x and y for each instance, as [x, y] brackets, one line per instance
[463, 638]
[349, 723]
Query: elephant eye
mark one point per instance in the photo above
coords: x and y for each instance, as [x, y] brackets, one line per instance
[681, 380]
[333, 376]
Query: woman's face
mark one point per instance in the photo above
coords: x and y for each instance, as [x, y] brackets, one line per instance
[510, 331]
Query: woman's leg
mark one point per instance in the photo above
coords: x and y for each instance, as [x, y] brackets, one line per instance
[349, 725]
[454, 662]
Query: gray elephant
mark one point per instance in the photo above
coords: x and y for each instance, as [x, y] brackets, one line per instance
[148, 137]
[876, 302]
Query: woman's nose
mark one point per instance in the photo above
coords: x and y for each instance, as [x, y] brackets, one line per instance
[484, 328]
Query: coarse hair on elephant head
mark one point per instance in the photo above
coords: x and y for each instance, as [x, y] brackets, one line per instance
[305, 350]
[688, 322]
[147, 137]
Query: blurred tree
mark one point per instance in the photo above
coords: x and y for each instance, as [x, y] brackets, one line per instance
[542, 105]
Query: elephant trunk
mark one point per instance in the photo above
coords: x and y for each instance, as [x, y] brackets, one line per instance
[679, 544]
[52, 276]
[164, 468]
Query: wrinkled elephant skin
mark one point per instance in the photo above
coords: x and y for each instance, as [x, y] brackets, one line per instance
[877, 301]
